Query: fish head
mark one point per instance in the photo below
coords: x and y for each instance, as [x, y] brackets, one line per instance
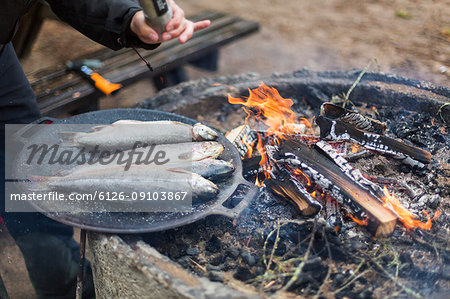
[203, 187]
[208, 149]
[202, 132]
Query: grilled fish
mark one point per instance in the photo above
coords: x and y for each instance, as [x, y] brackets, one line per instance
[154, 155]
[214, 170]
[124, 134]
[209, 168]
[136, 179]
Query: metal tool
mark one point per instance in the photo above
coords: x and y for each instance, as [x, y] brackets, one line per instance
[157, 14]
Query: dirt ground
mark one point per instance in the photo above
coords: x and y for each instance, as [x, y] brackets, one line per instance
[406, 37]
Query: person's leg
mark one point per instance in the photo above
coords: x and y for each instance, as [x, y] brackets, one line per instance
[50, 253]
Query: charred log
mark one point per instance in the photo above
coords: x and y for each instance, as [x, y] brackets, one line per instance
[357, 199]
[408, 154]
[243, 138]
[353, 118]
[350, 171]
[333, 215]
[251, 168]
[286, 187]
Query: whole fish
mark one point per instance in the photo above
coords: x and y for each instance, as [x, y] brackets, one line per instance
[211, 169]
[153, 155]
[124, 134]
[135, 180]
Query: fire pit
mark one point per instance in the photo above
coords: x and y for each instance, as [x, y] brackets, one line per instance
[273, 249]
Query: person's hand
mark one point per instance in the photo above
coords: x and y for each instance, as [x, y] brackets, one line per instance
[178, 27]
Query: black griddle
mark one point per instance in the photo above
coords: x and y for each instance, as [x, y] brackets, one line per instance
[234, 196]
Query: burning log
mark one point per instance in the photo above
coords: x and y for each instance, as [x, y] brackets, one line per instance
[243, 138]
[353, 118]
[333, 217]
[338, 130]
[351, 172]
[357, 199]
[286, 187]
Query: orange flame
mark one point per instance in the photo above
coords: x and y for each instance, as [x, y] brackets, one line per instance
[355, 148]
[363, 222]
[406, 217]
[266, 104]
[307, 123]
[264, 163]
[298, 172]
[249, 146]
[269, 106]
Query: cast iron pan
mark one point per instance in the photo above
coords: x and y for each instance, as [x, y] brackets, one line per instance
[234, 196]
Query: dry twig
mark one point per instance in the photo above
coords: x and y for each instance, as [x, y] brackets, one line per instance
[299, 268]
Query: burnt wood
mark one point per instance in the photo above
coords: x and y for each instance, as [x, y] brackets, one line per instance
[324, 172]
[286, 187]
[353, 118]
[58, 91]
[338, 130]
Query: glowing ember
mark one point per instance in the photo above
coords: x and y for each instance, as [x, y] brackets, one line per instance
[364, 222]
[406, 217]
[264, 163]
[355, 148]
[300, 173]
[249, 145]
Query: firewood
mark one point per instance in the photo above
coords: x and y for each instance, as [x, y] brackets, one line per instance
[285, 187]
[408, 154]
[357, 199]
[243, 138]
[353, 118]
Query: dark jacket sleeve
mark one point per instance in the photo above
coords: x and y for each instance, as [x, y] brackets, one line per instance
[105, 21]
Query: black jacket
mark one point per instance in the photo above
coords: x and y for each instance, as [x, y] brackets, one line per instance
[105, 21]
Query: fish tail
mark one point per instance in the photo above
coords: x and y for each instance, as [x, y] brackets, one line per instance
[38, 183]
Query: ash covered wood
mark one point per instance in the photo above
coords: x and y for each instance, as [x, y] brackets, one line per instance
[331, 178]
[408, 154]
[353, 118]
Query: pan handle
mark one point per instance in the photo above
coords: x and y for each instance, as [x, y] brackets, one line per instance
[248, 192]
[43, 120]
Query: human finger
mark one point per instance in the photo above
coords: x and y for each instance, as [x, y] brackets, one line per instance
[201, 25]
[187, 33]
[177, 18]
[140, 28]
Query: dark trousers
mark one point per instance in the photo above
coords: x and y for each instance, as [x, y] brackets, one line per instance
[50, 253]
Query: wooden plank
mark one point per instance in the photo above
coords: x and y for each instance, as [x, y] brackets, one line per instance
[126, 57]
[125, 67]
[42, 76]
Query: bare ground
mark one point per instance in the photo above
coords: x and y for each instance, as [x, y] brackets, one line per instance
[406, 37]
